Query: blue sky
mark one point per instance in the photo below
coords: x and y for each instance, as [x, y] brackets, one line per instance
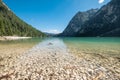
[50, 15]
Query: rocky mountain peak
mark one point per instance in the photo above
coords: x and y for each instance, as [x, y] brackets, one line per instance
[75, 24]
[94, 22]
[105, 22]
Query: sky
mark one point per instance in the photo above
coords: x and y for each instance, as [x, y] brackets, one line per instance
[51, 16]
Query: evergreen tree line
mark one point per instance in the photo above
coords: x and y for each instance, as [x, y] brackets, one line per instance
[11, 25]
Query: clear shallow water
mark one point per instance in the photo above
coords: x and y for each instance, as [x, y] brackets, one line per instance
[23, 41]
[50, 44]
[105, 45]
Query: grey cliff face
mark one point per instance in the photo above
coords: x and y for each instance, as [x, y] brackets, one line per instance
[94, 22]
[106, 22]
[75, 24]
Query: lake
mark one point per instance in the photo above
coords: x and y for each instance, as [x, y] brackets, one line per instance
[61, 58]
[103, 45]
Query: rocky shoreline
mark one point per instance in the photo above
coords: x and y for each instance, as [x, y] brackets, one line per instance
[53, 61]
[3, 38]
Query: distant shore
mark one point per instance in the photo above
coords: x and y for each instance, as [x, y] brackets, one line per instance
[3, 38]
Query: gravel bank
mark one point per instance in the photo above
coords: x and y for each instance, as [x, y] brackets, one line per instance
[9, 53]
[3, 38]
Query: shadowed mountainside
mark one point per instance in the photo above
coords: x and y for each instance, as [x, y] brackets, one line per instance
[77, 21]
[104, 22]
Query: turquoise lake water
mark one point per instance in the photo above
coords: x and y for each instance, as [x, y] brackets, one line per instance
[101, 45]
[104, 45]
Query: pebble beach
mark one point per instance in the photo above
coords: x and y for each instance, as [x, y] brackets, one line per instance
[53, 60]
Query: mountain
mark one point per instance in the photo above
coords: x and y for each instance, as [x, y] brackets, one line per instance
[11, 25]
[105, 22]
[79, 19]
[102, 22]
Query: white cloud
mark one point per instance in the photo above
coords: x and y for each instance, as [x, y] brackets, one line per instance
[100, 1]
[55, 31]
